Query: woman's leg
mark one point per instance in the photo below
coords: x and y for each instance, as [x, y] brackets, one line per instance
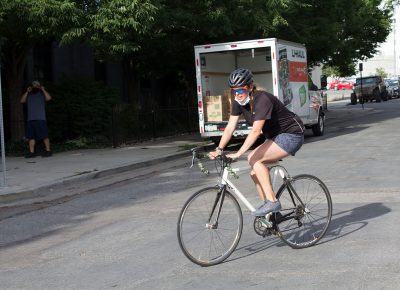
[267, 152]
[260, 191]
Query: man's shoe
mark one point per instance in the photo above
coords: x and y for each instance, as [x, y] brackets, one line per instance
[30, 155]
[268, 207]
[47, 153]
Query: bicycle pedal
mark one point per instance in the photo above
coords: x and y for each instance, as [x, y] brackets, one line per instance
[266, 223]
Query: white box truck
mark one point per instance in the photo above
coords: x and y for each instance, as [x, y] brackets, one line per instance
[279, 67]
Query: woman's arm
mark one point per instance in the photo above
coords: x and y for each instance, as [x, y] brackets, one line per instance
[226, 136]
[230, 128]
[251, 138]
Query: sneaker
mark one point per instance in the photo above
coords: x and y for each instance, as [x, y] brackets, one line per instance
[268, 207]
[261, 206]
[47, 153]
[30, 155]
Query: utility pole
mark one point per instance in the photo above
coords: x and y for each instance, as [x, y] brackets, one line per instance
[394, 46]
[360, 68]
[3, 179]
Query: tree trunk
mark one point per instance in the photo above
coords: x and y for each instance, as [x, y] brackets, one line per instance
[14, 68]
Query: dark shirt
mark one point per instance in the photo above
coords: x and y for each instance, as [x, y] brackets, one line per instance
[36, 106]
[278, 119]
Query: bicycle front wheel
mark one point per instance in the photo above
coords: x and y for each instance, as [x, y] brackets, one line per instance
[204, 239]
[305, 217]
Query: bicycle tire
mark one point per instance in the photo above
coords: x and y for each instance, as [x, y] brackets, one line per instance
[298, 226]
[201, 244]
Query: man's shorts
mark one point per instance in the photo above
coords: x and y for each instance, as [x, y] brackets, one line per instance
[37, 130]
[291, 143]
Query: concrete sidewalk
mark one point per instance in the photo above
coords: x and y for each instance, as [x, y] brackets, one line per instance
[30, 179]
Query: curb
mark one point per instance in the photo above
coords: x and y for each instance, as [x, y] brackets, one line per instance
[49, 189]
[71, 186]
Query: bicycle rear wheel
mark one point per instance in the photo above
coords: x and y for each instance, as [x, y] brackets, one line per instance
[298, 225]
[203, 239]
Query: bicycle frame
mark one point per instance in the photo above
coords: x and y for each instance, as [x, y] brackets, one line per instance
[226, 182]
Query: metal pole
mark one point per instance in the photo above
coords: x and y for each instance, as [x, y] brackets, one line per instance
[362, 97]
[394, 44]
[3, 148]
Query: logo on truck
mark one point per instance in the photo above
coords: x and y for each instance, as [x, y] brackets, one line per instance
[297, 53]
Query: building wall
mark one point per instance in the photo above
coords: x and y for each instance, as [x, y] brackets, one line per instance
[50, 63]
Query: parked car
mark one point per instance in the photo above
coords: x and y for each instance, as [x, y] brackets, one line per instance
[369, 89]
[333, 85]
[392, 86]
[340, 85]
[344, 85]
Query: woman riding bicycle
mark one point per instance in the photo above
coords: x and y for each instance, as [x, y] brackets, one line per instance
[284, 132]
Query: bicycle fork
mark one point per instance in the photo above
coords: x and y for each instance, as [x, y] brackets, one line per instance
[218, 202]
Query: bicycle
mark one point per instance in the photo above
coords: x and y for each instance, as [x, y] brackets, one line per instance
[211, 221]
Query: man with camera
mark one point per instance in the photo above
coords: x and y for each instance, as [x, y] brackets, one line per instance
[35, 98]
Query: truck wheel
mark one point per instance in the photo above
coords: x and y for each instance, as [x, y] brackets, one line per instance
[319, 128]
[377, 96]
[385, 96]
[353, 99]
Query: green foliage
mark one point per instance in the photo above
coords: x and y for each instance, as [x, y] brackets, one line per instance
[330, 71]
[113, 27]
[381, 72]
[80, 108]
[24, 22]
[337, 33]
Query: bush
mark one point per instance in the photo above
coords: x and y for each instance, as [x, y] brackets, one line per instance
[80, 108]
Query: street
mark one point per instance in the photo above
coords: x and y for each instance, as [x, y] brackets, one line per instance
[124, 236]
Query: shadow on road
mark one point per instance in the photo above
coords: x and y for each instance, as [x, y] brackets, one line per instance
[347, 222]
[342, 224]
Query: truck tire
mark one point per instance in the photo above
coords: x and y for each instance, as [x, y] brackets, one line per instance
[319, 128]
[385, 96]
[377, 95]
[353, 99]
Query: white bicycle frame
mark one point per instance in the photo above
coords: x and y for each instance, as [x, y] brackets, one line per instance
[225, 181]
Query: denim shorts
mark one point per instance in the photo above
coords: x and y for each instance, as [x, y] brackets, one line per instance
[37, 130]
[291, 143]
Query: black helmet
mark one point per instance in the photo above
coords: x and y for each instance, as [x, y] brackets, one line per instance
[240, 77]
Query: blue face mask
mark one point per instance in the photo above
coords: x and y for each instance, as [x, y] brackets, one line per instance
[244, 102]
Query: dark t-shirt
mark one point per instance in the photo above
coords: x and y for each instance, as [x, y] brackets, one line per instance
[36, 106]
[268, 107]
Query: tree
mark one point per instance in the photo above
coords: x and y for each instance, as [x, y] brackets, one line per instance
[336, 33]
[340, 32]
[24, 23]
[381, 72]
[331, 71]
[111, 27]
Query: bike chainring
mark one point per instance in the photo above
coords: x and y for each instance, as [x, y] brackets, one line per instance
[262, 227]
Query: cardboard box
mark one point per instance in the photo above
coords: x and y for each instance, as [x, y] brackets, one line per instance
[216, 108]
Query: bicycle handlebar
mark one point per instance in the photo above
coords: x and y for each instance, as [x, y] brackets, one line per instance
[226, 161]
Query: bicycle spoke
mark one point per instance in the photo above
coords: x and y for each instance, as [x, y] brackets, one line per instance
[208, 243]
[311, 217]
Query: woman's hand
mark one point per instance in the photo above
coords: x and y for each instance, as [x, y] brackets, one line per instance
[214, 154]
[234, 156]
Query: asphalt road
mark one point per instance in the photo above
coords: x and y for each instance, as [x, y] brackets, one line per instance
[124, 236]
